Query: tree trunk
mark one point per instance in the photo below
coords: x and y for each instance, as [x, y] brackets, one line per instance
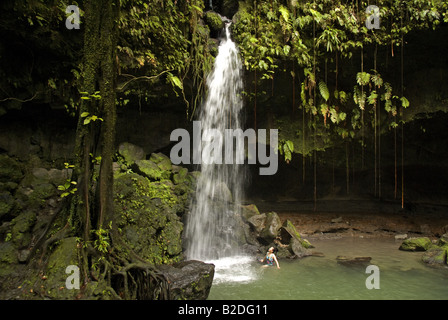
[98, 73]
[107, 88]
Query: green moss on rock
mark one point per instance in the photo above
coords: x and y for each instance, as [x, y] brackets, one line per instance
[21, 228]
[10, 169]
[130, 152]
[146, 215]
[64, 255]
[214, 21]
[416, 244]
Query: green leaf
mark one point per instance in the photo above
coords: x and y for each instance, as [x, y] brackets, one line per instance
[84, 114]
[404, 102]
[285, 13]
[86, 121]
[197, 8]
[176, 81]
[290, 145]
[323, 89]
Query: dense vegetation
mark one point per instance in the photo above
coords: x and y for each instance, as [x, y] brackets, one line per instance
[343, 92]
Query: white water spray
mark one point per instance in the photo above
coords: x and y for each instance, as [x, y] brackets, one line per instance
[211, 225]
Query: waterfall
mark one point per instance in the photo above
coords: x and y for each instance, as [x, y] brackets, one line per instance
[210, 229]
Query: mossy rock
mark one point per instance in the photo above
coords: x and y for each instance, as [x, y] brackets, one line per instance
[7, 203]
[162, 161]
[181, 176]
[10, 169]
[8, 257]
[64, 255]
[288, 231]
[21, 227]
[151, 170]
[249, 211]
[443, 241]
[214, 21]
[131, 153]
[146, 215]
[436, 256]
[416, 244]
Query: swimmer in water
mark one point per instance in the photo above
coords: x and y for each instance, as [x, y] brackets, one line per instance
[270, 259]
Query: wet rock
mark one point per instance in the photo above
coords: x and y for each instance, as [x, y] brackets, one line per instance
[435, 256]
[146, 212]
[214, 21]
[353, 261]
[150, 170]
[249, 211]
[416, 244]
[443, 241]
[297, 246]
[222, 193]
[257, 222]
[189, 280]
[162, 161]
[272, 226]
[401, 236]
[180, 176]
[131, 152]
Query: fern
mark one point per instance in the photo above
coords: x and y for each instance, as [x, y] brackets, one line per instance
[323, 89]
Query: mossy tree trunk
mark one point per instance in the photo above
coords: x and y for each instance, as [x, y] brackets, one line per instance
[94, 208]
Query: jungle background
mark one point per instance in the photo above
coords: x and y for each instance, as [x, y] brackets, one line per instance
[86, 116]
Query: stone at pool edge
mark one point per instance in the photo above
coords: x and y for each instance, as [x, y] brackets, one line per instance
[416, 244]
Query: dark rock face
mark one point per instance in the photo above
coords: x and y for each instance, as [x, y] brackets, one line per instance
[189, 280]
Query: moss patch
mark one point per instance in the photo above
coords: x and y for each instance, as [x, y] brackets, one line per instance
[146, 217]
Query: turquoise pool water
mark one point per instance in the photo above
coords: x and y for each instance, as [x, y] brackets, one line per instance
[402, 275]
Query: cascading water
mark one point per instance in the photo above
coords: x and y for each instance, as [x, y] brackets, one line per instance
[211, 224]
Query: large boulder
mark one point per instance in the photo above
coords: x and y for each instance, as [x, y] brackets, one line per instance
[271, 227]
[162, 161]
[21, 228]
[416, 244]
[64, 255]
[214, 21]
[296, 245]
[150, 170]
[435, 256]
[146, 213]
[131, 152]
[189, 280]
[158, 167]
